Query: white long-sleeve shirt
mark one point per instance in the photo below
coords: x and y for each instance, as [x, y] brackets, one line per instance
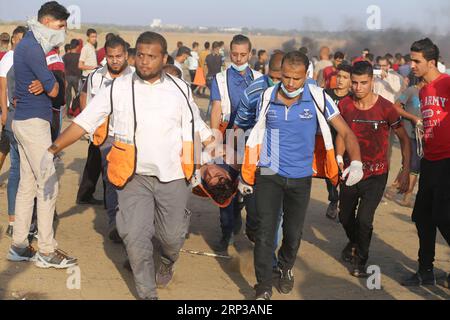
[161, 114]
[389, 88]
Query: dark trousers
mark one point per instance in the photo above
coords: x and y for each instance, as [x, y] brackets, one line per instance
[357, 210]
[432, 208]
[91, 173]
[72, 84]
[273, 194]
[192, 74]
[333, 193]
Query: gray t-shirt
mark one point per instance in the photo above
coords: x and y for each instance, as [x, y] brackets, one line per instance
[410, 99]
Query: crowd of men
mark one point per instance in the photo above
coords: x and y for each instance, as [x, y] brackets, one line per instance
[274, 123]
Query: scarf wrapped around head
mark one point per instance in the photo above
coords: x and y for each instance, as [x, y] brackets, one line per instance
[47, 38]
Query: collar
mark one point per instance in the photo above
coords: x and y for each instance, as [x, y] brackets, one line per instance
[138, 79]
[235, 73]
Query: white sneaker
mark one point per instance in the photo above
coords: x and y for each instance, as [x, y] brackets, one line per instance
[58, 260]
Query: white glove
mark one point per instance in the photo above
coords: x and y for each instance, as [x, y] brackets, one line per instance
[355, 173]
[339, 159]
[244, 188]
[196, 179]
[47, 165]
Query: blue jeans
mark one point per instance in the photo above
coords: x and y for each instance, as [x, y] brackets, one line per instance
[230, 217]
[14, 174]
[111, 201]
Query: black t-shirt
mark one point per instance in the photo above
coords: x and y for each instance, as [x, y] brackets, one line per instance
[335, 97]
[214, 64]
[71, 64]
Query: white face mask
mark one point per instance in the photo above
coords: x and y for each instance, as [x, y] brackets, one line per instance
[47, 38]
[240, 68]
[292, 94]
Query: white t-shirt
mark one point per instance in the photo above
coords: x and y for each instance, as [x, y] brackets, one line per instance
[6, 64]
[192, 61]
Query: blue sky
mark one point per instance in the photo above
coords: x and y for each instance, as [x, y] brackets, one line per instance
[430, 15]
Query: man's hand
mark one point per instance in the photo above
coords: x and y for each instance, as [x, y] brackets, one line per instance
[4, 118]
[36, 88]
[403, 181]
[355, 173]
[244, 188]
[340, 162]
[196, 179]
[47, 165]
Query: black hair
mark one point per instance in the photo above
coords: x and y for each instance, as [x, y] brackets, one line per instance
[241, 39]
[150, 37]
[19, 29]
[114, 42]
[362, 68]
[296, 58]
[74, 43]
[90, 31]
[345, 67]
[216, 45]
[170, 60]
[109, 35]
[67, 47]
[261, 52]
[222, 191]
[195, 44]
[339, 55]
[207, 45]
[429, 50]
[275, 60]
[131, 52]
[370, 57]
[54, 10]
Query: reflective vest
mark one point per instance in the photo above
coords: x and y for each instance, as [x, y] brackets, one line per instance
[122, 158]
[225, 99]
[324, 160]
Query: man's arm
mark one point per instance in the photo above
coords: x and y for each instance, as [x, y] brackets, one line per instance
[403, 113]
[216, 109]
[3, 100]
[346, 140]
[403, 178]
[84, 67]
[38, 65]
[71, 135]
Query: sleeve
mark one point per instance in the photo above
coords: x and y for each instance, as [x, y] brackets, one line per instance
[393, 118]
[215, 92]
[331, 110]
[83, 54]
[95, 112]
[38, 64]
[5, 65]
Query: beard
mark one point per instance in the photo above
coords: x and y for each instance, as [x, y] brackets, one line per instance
[117, 72]
[149, 76]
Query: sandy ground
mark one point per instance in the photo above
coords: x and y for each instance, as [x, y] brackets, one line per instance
[319, 273]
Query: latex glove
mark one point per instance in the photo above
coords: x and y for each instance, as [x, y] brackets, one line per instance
[244, 188]
[340, 162]
[196, 179]
[354, 173]
[47, 165]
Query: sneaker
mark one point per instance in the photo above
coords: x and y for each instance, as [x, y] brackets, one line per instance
[358, 268]
[286, 282]
[348, 252]
[420, 278]
[58, 260]
[264, 295]
[114, 236]
[21, 254]
[9, 231]
[223, 244]
[92, 201]
[164, 275]
[332, 211]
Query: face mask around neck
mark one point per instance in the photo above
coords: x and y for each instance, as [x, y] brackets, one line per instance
[293, 94]
[47, 38]
[240, 68]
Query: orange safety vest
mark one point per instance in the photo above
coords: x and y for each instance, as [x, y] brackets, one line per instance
[122, 158]
[324, 160]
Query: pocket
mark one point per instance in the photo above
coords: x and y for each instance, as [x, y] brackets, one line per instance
[121, 163]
